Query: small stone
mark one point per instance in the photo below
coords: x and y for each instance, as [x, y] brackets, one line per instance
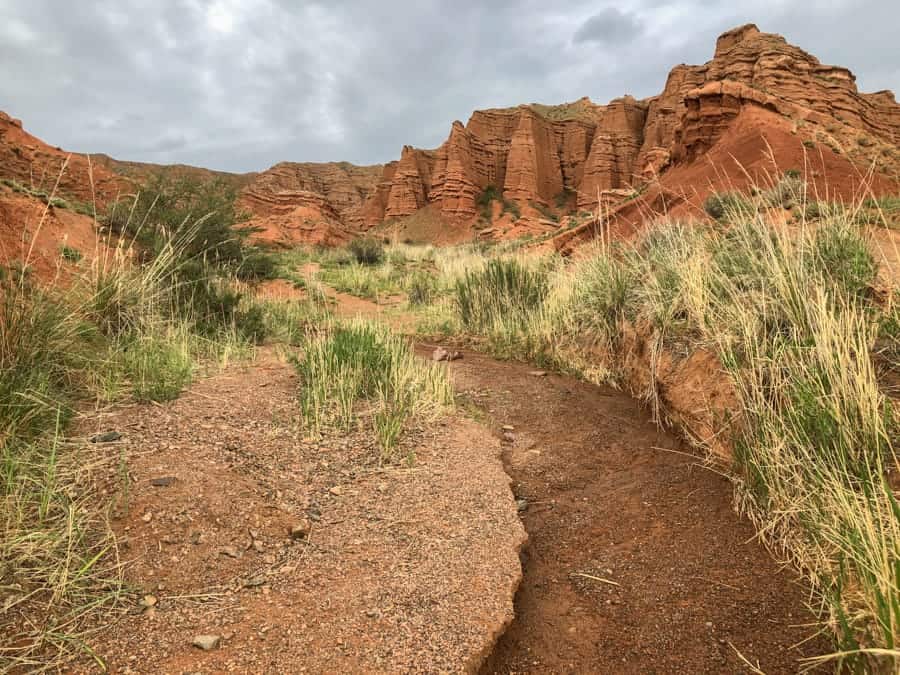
[440, 354]
[163, 481]
[382, 487]
[148, 601]
[373, 613]
[147, 517]
[337, 491]
[709, 624]
[299, 530]
[206, 642]
[258, 546]
[508, 427]
[507, 437]
[255, 582]
[538, 373]
[521, 505]
[230, 551]
[106, 437]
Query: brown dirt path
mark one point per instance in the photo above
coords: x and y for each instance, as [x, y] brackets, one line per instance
[404, 568]
[636, 561]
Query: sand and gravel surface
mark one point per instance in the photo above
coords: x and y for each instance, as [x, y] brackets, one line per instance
[287, 554]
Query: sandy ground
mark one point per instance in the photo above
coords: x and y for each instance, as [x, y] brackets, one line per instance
[404, 568]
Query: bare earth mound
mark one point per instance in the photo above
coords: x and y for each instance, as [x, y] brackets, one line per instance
[402, 568]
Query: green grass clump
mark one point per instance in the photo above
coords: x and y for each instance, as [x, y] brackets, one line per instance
[362, 362]
[504, 288]
[158, 367]
[787, 192]
[69, 254]
[421, 289]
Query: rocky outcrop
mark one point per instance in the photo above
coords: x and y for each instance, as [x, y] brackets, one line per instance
[532, 153]
[535, 153]
[34, 164]
[337, 190]
[545, 158]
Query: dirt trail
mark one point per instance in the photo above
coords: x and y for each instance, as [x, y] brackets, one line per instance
[302, 554]
[636, 561]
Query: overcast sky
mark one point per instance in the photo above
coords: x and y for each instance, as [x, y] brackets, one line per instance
[242, 84]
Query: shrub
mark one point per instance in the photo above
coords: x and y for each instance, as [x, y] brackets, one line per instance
[843, 256]
[485, 200]
[167, 209]
[727, 206]
[512, 207]
[366, 250]
[421, 289]
[788, 191]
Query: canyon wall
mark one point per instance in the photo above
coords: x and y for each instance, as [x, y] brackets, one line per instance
[536, 153]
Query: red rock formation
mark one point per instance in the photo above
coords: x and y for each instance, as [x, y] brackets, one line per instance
[534, 153]
[34, 164]
[343, 188]
[756, 88]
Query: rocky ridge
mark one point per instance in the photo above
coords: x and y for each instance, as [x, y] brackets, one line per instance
[536, 154]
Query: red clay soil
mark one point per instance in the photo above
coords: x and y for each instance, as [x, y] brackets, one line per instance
[396, 568]
[757, 148]
[636, 561]
[30, 230]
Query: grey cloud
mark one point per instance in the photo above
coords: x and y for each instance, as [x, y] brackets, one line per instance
[610, 26]
[242, 84]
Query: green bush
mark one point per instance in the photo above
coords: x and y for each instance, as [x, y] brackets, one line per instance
[842, 256]
[421, 289]
[206, 210]
[787, 192]
[366, 250]
[70, 254]
[727, 206]
[485, 200]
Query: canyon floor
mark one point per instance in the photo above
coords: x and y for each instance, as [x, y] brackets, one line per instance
[290, 554]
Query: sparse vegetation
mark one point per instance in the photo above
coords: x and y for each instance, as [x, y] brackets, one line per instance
[124, 326]
[362, 362]
[723, 205]
[69, 254]
[366, 250]
[791, 317]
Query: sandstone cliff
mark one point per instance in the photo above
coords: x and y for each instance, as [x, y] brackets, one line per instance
[537, 154]
[309, 203]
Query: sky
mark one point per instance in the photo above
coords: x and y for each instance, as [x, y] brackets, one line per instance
[239, 85]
